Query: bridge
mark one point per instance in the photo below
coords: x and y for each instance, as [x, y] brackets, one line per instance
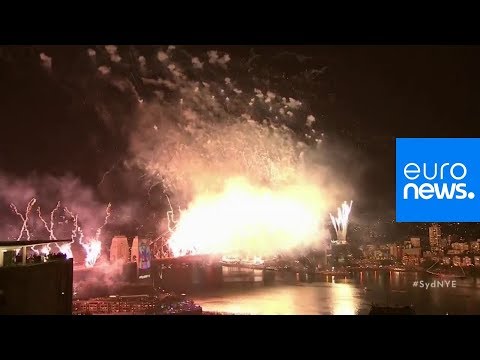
[208, 260]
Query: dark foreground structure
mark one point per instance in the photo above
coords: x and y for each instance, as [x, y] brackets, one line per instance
[35, 285]
[391, 310]
[162, 304]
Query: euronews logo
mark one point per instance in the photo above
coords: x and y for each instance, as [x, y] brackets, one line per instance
[439, 181]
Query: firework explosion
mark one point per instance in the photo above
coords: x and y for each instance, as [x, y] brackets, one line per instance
[340, 222]
[250, 220]
[226, 153]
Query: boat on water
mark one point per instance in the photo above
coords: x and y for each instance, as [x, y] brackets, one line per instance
[391, 310]
[446, 274]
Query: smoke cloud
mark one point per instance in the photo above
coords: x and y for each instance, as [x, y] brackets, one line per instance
[79, 199]
[101, 280]
[46, 61]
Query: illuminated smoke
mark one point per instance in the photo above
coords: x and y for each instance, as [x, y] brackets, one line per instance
[215, 58]
[197, 64]
[310, 120]
[46, 61]
[112, 50]
[162, 56]
[143, 64]
[102, 280]
[104, 70]
[340, 222]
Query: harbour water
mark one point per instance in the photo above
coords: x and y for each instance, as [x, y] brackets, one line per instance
[347, 295]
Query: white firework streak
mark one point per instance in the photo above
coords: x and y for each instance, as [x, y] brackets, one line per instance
[107, 216]
[25, 220]
[340, 222]
[46, 248]
[171, 216]
[67, 248]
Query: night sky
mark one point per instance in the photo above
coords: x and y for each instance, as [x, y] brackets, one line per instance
[370, 95]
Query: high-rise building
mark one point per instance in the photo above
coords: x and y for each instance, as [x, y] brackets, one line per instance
[443, 243]
[415, 241]
[396, 251]
[434, 235]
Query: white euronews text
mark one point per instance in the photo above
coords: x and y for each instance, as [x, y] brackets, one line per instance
[436, 190]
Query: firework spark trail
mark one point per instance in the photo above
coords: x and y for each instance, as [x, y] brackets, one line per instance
[24, 228]
[24, 218]
[75, 223]
[170, 216]
[66, 248]
[340, 222]
[93, 247]
[46, 248]
[107, 173]
[75, 231]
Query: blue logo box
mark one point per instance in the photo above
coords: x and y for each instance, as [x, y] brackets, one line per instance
[437, 180]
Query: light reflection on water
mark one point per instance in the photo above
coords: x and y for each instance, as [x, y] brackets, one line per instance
[284, 300]
[344, 296]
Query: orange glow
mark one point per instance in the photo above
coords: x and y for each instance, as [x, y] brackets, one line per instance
[250, 220]
[344, 300]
